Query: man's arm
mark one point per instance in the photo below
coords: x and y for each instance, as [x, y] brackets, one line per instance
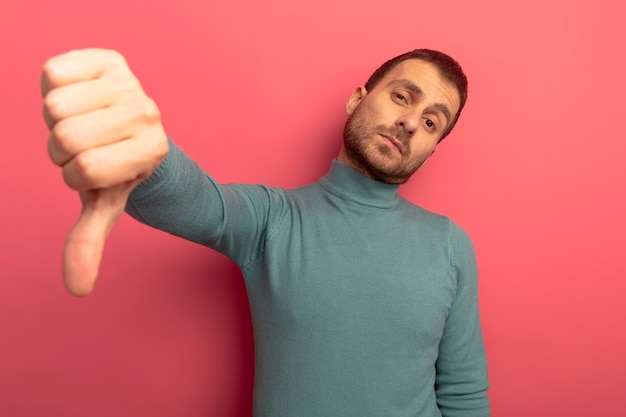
[181, 199]
[107, 136]
[461, 382]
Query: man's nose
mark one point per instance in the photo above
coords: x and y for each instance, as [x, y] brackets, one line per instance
[409, 122]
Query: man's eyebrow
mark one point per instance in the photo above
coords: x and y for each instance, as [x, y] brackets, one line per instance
[409, 85]
[445, 110]
[412, 87]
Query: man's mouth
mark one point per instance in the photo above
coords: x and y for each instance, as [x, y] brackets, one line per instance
[393, 143]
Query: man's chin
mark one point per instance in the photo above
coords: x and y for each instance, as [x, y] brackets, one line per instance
[387, 163]
[388, 173]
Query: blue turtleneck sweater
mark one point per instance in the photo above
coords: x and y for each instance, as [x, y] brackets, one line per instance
[363, 304]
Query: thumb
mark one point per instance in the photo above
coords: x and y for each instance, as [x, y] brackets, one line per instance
[85, 243]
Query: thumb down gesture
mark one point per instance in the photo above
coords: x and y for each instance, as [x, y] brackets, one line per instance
[106, 135]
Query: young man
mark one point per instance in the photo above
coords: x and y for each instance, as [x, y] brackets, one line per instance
[363, 304]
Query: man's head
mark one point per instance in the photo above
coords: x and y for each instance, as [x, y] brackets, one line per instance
[448, 68]
[404, 110]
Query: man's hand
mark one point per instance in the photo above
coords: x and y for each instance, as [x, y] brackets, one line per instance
[106, 134]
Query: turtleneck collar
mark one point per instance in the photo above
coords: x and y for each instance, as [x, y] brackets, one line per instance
[347, 183]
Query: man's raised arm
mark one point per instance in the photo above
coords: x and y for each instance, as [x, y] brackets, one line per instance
[107, 136]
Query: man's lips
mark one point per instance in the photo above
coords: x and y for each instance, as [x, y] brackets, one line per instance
[393, 143]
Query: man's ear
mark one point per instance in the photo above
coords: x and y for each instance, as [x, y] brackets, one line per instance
[357, 96]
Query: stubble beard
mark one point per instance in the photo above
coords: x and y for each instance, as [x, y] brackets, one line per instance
[357, 138]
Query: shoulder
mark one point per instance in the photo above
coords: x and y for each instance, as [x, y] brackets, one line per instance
[440, 227]
[430, 220]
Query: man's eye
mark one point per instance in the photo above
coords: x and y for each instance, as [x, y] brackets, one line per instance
[400, 97]
[430, 124]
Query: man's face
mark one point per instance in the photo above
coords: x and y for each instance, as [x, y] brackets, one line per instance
[393, 129]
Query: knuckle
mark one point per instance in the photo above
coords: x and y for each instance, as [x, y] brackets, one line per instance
[57, 156]
[64, 137]
[147, 110]
[115, 60]
[52, 70]
[115, 57]
[85, 168]
[72, 180]
[54, 105]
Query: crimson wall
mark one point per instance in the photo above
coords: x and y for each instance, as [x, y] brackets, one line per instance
[255, 92]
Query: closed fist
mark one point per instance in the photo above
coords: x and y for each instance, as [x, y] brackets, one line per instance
[106, 135]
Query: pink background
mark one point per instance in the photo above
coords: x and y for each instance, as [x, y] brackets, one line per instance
[255, 92]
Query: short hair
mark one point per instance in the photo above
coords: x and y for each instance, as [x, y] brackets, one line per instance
[448, 68]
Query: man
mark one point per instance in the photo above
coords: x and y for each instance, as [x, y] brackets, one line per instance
[363, 304]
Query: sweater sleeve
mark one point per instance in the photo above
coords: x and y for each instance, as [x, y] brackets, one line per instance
[461, 382]
[181, 199]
